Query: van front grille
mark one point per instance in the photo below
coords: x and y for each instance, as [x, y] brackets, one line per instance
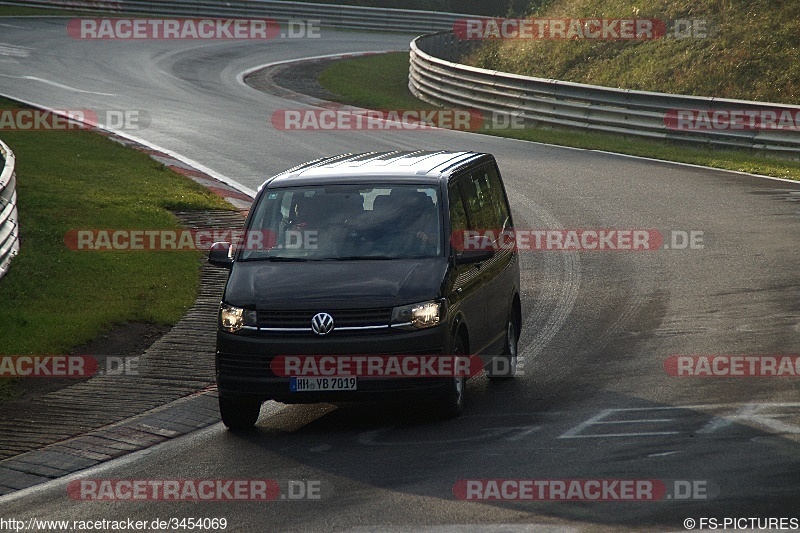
[342, 318]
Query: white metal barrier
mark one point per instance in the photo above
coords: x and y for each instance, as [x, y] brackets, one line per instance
[9, 226]
[436, 77]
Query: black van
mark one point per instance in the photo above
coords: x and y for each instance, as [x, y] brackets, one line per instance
[360, 256]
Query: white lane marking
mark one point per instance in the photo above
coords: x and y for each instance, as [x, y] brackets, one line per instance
[185, 160]
[268, 409]
[598, 419]
[641, 434]
[662, 454]
[240, 79]
[102, 467]
[752, 412]
[13, 26]
[692, 165]
[56, 84]
[575, 431]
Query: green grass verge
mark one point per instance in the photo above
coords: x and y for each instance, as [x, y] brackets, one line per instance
[54, 298]
[751, 51]
[381, 82]
[374, 82]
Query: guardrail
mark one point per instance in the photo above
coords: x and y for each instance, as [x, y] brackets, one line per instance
[435, 76]
[9, 227]
[340, 16]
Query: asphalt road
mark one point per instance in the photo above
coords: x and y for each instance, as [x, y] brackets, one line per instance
[594, 401]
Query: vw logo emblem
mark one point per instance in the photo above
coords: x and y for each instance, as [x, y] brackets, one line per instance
[322, 323]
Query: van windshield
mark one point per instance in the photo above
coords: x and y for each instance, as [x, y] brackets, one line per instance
[345, 222]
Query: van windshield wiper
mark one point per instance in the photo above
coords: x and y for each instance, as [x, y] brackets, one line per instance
[275, 258]
[362, 257]
[304, 259]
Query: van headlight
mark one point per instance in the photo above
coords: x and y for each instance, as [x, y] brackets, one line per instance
[232, 318]
[418, 316]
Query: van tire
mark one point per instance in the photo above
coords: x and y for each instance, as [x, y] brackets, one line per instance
[238, 414]
[451, 402]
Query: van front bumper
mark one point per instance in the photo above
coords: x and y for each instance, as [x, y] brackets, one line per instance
[244, 363]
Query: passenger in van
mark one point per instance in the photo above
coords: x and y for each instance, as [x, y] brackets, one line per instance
[420, 218]
[329, 216]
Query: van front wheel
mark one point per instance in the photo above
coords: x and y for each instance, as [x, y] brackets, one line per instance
[238, 414]
[451, 403]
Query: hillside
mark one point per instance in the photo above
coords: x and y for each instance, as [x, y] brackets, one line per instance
[752, 50]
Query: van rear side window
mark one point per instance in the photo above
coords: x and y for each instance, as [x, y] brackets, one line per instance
[485, 200]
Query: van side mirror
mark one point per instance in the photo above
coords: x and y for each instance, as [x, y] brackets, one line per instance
[221, 255]
[473, 256]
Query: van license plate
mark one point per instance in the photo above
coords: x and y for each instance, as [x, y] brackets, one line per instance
[297, 384]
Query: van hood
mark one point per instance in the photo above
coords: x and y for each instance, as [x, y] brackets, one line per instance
[271, 285]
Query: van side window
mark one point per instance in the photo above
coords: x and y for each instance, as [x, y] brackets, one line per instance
[480, 204]
[498, 196]
[458, 216]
